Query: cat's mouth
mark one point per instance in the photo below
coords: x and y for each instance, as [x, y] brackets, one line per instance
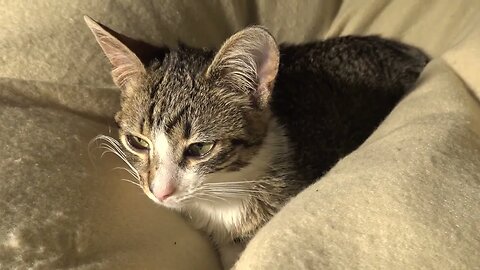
[173, 197]
[171, 201]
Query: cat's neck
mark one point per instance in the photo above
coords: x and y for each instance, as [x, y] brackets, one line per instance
[273, 155]
[265, 179]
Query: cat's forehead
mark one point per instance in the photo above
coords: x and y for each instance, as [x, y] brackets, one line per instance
[183, 61]
[178, 74]
[176, 97]
[191, 104]
[178, 84]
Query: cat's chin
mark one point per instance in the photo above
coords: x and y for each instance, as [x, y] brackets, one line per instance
[170, 204]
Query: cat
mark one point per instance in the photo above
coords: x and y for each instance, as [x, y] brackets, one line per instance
[227, 137]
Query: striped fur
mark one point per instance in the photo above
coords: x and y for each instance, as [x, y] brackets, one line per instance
[276, 126]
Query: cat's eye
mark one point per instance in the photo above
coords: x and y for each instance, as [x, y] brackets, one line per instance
[137, 143]
[199, 149]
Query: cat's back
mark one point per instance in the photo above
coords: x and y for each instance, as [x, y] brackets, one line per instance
[331, 95]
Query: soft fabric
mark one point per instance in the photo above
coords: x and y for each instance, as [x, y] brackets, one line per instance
[409, 197]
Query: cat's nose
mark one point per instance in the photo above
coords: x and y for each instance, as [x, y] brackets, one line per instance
[162, 192]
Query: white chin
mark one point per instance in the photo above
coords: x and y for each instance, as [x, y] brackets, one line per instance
[170, 203]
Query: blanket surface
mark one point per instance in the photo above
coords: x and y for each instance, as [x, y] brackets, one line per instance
[409, 197]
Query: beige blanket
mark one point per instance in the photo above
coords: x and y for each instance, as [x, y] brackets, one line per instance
[409, 197]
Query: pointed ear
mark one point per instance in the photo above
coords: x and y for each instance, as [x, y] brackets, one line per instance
[248, 62]
[127, 67]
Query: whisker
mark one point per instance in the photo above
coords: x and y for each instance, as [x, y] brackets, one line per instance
[216, 197]
[132, 182]
[132, 173]
[114, 150]
[110, 145]
[237, 194]
[116, 145]
[120, 155]
[107, 150]
[236, 182]
[192, 196]
[197, 193]
[234, 190]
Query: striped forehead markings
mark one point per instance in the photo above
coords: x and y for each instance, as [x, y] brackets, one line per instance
[174, 120]
[151, 113]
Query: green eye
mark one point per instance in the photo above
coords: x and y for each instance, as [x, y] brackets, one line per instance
[199, 149]
[137, 143]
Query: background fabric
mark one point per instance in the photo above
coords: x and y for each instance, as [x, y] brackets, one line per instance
[407, 198]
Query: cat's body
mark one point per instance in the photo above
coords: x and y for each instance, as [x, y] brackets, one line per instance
[331, 95]
[266, 122]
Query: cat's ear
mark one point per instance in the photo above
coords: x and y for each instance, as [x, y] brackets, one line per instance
[127, 66]
[248, 62]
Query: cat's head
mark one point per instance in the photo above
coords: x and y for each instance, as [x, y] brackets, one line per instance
[194, 120]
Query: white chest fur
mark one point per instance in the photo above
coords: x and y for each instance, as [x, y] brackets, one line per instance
[218, 218]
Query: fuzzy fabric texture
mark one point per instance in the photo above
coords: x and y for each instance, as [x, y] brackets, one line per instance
[409, 197]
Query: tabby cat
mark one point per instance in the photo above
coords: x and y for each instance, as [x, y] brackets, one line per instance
[227, 137]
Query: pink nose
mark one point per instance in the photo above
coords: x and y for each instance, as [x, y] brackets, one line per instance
[162, 192]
